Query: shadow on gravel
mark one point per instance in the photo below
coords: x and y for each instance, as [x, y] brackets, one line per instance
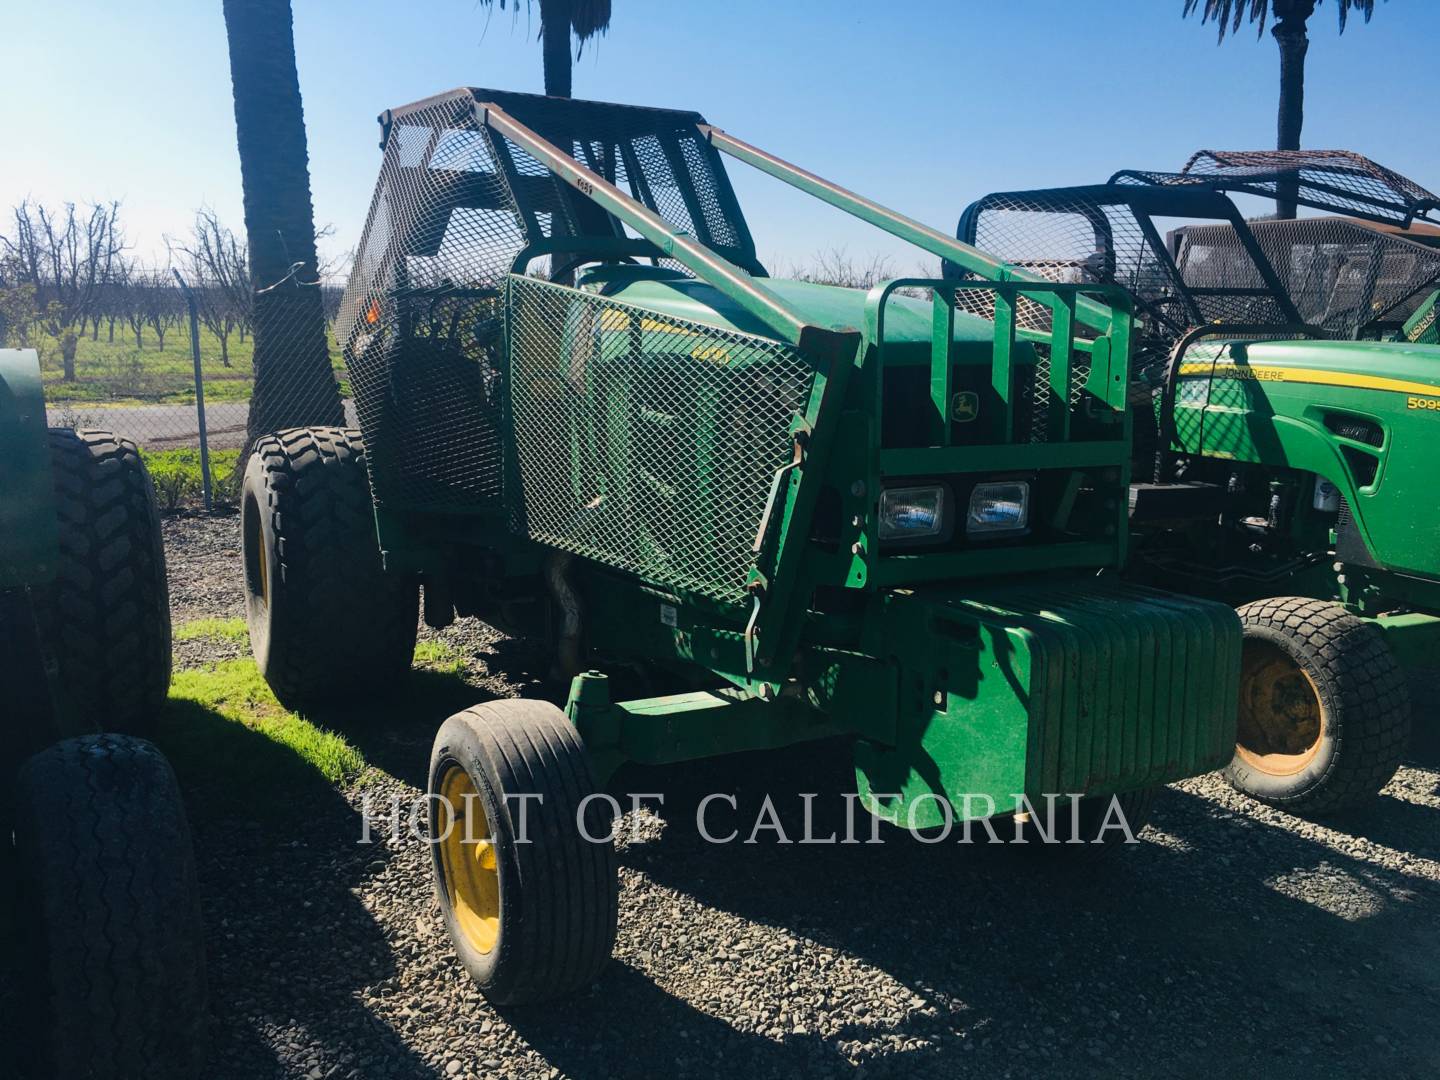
[631, 1027]
[394, 732]
[1222, 944]
[289, 943]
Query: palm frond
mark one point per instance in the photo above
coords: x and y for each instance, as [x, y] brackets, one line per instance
[588, 18]
[1229, 15]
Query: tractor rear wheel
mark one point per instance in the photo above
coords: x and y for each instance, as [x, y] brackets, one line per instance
[327, 623]
[529, 901]
[106, 617]
[113, 957]
[1324, 710]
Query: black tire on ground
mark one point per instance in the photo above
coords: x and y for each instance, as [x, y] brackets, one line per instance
[108, 913]
[1324, 707]
[106, 617]
[327, 623]
[530, 920]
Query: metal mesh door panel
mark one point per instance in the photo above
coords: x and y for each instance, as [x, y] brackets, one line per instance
[644, 442]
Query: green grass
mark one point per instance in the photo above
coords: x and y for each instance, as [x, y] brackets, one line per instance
[177, 476]
[237, 748]
[122, 373]
[212, 630]
[438, 657]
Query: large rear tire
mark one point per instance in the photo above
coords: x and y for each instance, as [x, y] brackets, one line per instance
[530, 903]
[106, 617]
[112, 945]
[1324, 708]
[327, 623]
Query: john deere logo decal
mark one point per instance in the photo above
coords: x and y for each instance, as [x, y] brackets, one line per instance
[964, 406]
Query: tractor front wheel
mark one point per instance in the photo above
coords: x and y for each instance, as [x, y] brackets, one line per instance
[327, 623]
[1324, 710]
[523, 858]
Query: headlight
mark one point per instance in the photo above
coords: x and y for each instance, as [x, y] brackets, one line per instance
[915, 513]
[998, 509]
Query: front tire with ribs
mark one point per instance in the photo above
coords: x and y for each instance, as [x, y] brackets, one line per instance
[106, 617]
[1324, 710]
[327, 623]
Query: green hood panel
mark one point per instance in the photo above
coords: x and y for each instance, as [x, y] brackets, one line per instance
[832, 307]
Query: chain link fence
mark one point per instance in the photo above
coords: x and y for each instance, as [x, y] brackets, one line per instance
[168, 360]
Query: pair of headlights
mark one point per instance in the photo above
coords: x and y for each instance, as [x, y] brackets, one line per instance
[927, 513]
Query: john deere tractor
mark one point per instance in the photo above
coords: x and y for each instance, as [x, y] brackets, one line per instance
[1284, 410]
[589, 417]
[105, 924]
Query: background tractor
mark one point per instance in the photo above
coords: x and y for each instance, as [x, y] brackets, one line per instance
[1286, 457]
[109, 973]
[588, 416]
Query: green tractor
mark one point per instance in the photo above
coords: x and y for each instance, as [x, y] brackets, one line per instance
[589, 417]
[1283, 415]
[100, 885]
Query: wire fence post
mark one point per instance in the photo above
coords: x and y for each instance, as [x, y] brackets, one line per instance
[199, 387]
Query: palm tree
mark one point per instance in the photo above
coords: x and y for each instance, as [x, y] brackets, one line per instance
[558, 20]
[1290, 17]
[294, 382]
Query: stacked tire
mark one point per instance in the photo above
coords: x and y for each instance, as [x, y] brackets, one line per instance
[110, 949]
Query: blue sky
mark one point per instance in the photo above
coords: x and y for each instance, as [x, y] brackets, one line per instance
[923, 105]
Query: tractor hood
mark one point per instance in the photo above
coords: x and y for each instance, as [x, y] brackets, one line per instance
[1363, 365]
[831, 307]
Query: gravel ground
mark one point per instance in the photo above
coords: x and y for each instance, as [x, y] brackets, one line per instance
[1234, 940]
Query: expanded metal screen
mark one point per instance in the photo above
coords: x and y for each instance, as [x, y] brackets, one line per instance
[1337, 181]
[1341, 275]
[1095, 235]
[644, 442]
[456, 204]
[1065, 240]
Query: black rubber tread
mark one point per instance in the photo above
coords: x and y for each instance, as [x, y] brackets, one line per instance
[1363, 691]
[336, 625]
[560, 893]
[113, 942]
[106, 617]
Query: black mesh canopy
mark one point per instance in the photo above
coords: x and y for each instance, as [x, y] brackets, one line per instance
[1336, 181]
[1107, 233]
[459, 205]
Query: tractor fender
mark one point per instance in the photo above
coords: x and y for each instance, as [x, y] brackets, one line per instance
[29, 540]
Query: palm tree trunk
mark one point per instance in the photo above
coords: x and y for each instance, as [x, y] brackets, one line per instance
[294, 382]
[555, 30]
[1290, 36]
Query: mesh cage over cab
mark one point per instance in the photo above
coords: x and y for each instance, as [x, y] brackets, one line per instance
[1344, 276]
[1106, 234]
[646, 442]
[456, 204]
[1337, 181]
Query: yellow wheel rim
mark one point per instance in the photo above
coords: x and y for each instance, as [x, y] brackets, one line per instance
[262, 563]
[1282, 718]
[467, 860]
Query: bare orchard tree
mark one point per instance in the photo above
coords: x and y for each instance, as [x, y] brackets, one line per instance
[215, 260]
[132, 302]
[838, 267]
[67, 257]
